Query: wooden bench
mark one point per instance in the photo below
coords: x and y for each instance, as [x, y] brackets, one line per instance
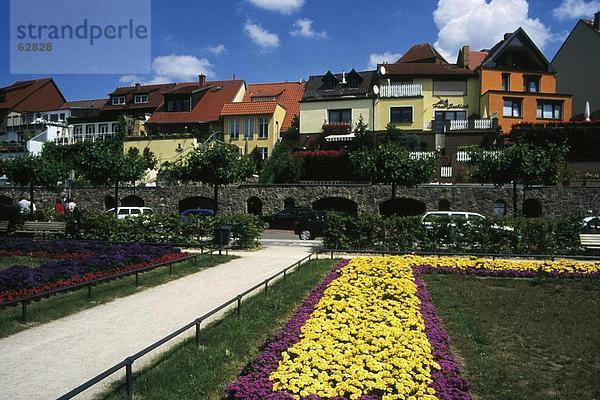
[43, 228]
[3, 226]
[590, 241]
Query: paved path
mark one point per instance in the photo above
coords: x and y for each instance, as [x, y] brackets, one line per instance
[49, 360]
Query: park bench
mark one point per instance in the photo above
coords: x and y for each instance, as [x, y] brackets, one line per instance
[43, 228]
[3, 226]
[590, 241]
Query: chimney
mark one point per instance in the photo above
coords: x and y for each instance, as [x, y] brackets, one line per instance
[343, 77]
[597, 21]
[466, 56]
[201, 80]
[137, 85]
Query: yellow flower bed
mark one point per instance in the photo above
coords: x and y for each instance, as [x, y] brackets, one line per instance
[366, 336]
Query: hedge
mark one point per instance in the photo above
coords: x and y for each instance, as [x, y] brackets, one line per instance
[496, 235]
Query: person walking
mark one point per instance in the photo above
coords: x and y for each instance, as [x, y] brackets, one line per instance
[60, 204]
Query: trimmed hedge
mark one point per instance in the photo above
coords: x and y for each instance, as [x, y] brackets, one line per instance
[168, 228]
[496, 235]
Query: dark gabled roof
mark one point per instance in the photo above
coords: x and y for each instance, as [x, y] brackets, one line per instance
[521, 37]
[422, 53]
[427, 69]
[315, 88]
[23, 96]
[154, 92]
[95, 103]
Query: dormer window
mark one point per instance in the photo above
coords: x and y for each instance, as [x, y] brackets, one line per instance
[118, 100]
[263, 98]
[330, 81]
[354, 79]
[140, 99]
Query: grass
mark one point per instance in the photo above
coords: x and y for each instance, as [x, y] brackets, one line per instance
[11, 261]
[188, 372]
[68, 303]
[520, 339]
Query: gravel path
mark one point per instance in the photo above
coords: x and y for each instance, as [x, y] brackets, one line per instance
[49, 360]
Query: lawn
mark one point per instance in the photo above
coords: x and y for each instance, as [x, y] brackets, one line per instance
[9, 261]
[523, 339]
[68, 303]
[187, 372]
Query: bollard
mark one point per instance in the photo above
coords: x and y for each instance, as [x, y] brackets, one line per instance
[266, 287]
[197, 333]
[196, 260]
[129, 378]
[284, 274]
[332, 254]
[137, 279]
[239, 305]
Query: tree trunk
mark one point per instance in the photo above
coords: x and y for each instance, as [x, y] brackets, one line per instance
[116, 198]
[216, 197]
[515, 199]
[393, 190]
[31, 199]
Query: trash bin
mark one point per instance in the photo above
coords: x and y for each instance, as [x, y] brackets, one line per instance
[223, 235]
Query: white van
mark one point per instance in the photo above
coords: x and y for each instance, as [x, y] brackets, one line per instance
[124, 212]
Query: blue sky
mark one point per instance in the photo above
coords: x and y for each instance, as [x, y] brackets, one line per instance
[279, 40]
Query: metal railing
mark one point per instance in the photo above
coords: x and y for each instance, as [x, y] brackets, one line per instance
[25, 301]
[127, 363]
[390, 91]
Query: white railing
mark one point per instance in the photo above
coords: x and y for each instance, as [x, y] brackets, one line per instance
[478, 124]
[420, 155]
[465, 156]
[412, 90]
[446, 172]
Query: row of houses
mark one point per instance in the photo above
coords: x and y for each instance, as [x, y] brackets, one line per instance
[446, 104]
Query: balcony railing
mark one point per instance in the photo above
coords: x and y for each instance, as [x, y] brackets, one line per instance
[464, 156]
[420, 155]
[390, 91]
[465, 125]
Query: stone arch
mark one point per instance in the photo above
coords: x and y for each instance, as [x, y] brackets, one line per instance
[289, 202]
[132, 201]
[336, 204]
[402, 207]
[109, 202]
[196, 202]
[500, 207]
[254, 205]
[5, 201]
[443, 205]
[532, 208]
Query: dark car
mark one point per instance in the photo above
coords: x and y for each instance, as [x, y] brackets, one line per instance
[285, 219]
[311, 225]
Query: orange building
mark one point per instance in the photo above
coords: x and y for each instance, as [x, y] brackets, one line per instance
[518, 84]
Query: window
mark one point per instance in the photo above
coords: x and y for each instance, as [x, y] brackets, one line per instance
[234, 128]
[90, 129]
[103, 128]
[264, 152]
[46, 117]
[178, 105]
[54, 118]
[140, 98]
[532, 84]
[118, 100]
[263, 98]
[78, 130]
[549, 110]
[249, 128]
[340, 116]
[62, 117]
[115, 127]
[512, 108]
[401, 114]
[506, 82]
[263, 131]
[450, 115]
[449, 88]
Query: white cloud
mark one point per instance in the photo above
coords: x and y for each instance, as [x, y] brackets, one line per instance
[483, 23]
[380, 58]
[218, 49]
[282, 6]
[573, 9]
[261, 36]
[173, 68]
[303, 27]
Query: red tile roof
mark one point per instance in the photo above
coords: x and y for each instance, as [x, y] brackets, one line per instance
[250, 108]
[31, 96]
[207, 109]
[95, 103]
[476, 59]
[288, 95]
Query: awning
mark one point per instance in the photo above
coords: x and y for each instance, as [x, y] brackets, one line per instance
[340, 138]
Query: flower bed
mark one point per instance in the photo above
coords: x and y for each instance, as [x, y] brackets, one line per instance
[370, 331]
[75, 263]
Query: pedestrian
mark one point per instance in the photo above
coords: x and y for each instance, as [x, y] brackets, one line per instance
[24, 204]
[60, 204]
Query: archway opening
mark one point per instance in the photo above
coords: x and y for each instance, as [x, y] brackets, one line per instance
[194, 202]
[443, 205]
[109, 202]
[402, 207]
[338, 204]
[289, 203]
[532, 208]
[132, 201]
[254, 205]
[5, 201]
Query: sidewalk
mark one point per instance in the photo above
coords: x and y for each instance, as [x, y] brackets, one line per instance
[49, 360]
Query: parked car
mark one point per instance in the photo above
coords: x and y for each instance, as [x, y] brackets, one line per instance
[285, 219]
[591, 225]
[469, 217]
[197, 213]
[124, 212]
[312, 225]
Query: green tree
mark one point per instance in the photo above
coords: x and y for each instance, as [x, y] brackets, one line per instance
[393, 165]
[519, 163]
[35, 170]
[292, 134]
[361, 131]
[217, 165]
[282, 166]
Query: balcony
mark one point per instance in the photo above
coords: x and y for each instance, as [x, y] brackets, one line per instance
[398, 91]
[471, 125]
[337, 128]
